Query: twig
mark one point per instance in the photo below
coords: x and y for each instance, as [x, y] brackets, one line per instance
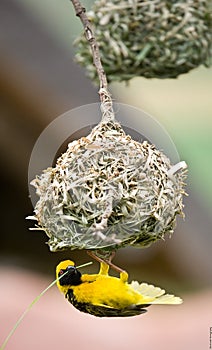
[105, 97]
[108, 262]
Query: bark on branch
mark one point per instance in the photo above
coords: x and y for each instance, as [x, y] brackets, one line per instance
[105, 97]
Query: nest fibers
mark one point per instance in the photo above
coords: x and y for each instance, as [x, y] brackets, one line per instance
[153, 39]
[108, 191]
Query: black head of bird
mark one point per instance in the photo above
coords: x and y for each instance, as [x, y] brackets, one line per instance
[69, 276]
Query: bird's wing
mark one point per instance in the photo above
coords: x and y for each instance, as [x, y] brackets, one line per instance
[154, 295]
[167, 299]
[108, 311]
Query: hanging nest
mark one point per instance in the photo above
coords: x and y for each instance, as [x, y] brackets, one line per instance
[108, 191]
[153, 39]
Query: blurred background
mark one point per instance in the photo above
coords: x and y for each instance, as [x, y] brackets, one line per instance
[40, 81]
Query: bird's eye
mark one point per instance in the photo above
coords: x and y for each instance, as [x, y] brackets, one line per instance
[70, 267]
[61, 272]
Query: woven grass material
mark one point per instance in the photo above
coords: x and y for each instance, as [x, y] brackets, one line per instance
[153, 39]
[108, 191]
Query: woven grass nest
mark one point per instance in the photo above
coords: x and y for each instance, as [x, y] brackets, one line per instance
[153, 39]
[108, 191]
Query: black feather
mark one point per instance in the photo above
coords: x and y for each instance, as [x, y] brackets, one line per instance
[105, 311]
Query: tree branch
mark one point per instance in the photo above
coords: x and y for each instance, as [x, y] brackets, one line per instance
[105, 97]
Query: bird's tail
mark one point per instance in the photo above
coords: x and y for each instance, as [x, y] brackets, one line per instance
[155, 295]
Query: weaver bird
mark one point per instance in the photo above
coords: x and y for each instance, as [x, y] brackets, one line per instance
[106, 296]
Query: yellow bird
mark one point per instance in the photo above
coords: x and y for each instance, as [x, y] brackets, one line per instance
[106, 296]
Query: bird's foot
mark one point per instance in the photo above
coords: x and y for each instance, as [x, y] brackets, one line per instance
[106, 263]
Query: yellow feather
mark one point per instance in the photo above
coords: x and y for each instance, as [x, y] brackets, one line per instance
[148, 290]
